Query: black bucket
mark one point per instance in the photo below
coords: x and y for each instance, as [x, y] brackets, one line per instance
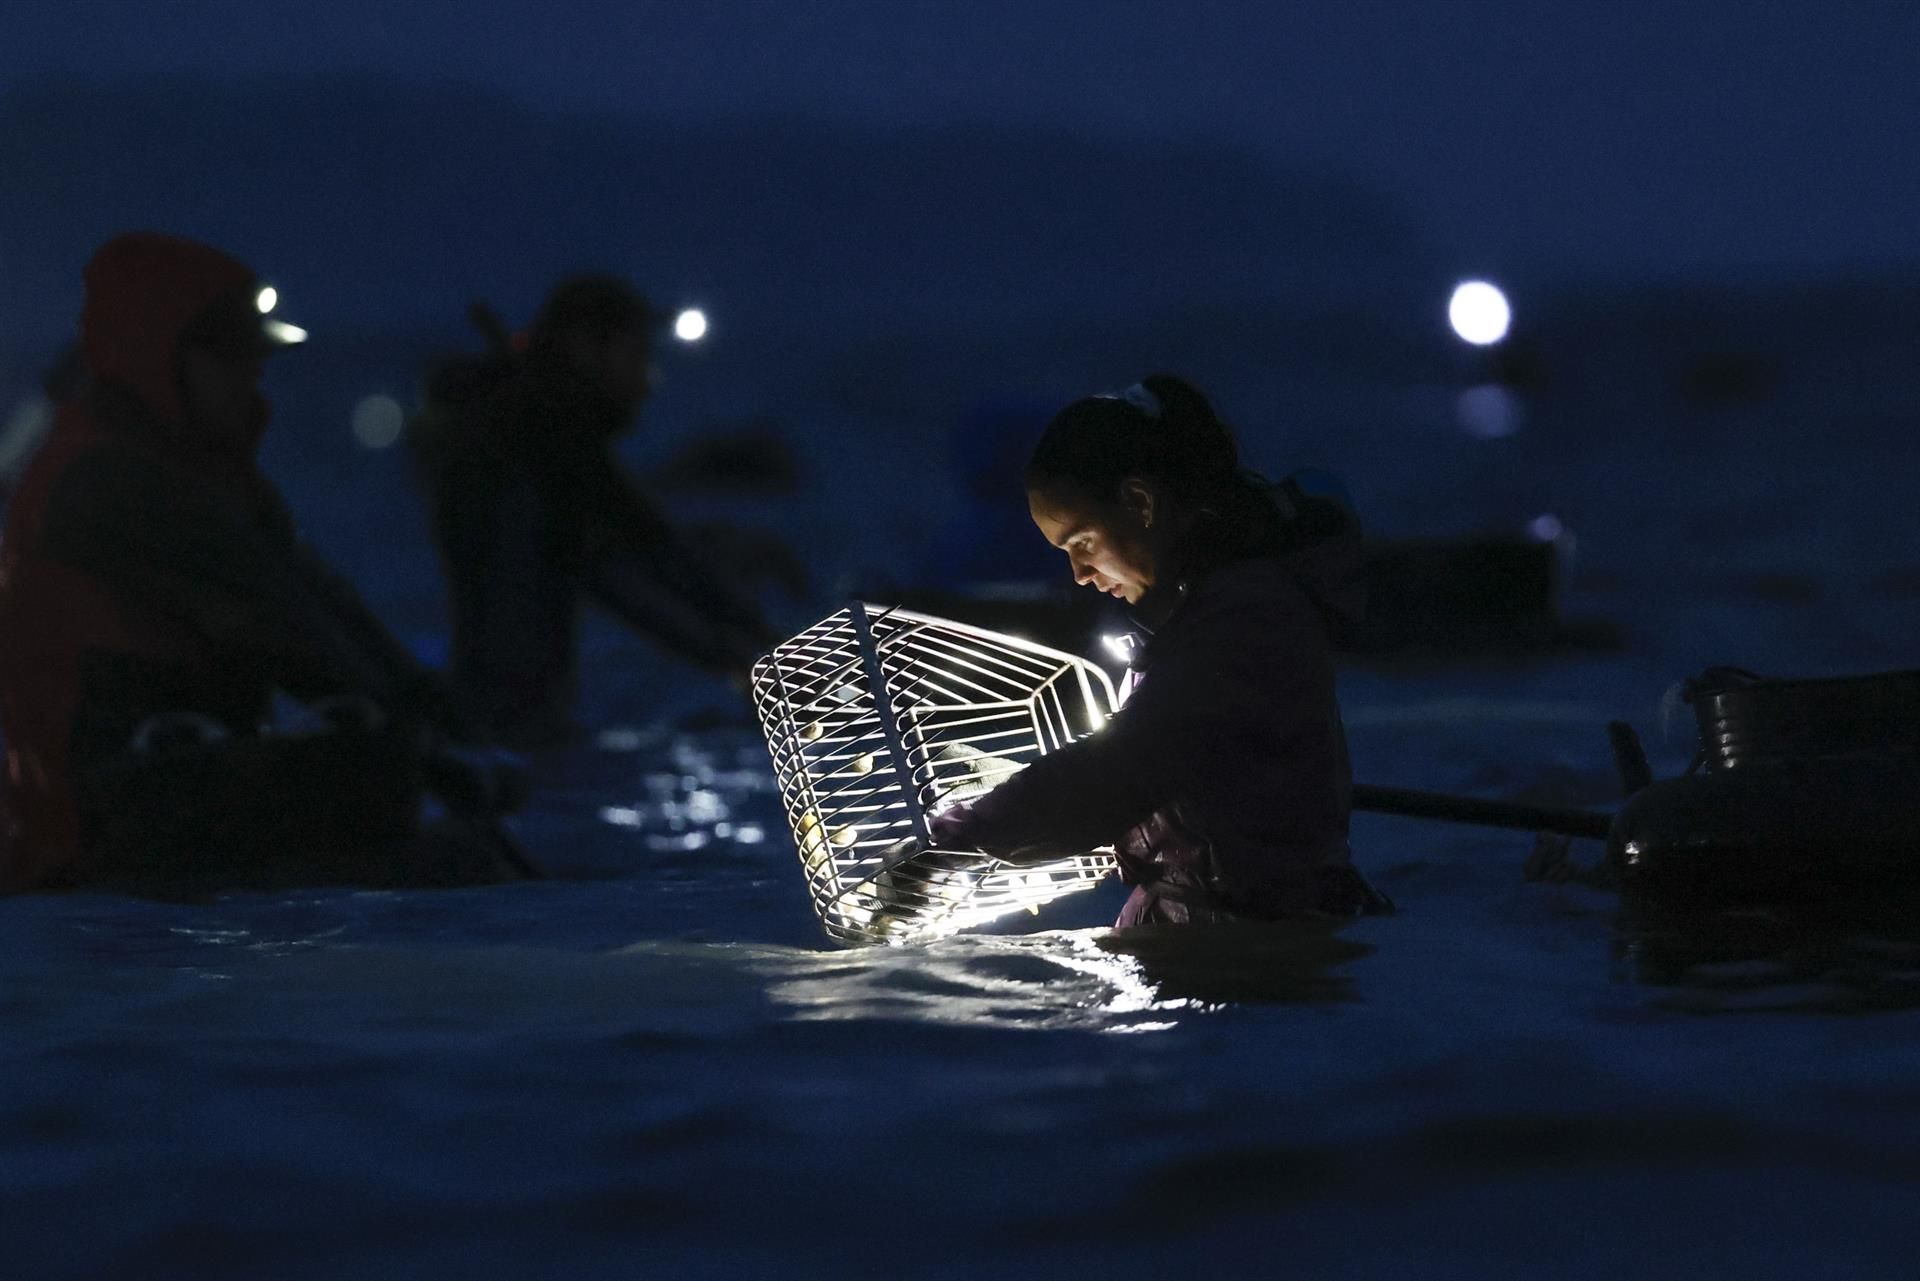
[1747, 720]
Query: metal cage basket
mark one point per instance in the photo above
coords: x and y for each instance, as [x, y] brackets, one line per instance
[873, 717]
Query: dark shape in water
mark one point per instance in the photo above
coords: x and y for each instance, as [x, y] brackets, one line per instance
[1840, 959]
[340, 806]
[1468, 597]
[1803, 792]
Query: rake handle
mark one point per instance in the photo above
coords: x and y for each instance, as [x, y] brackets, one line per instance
[1410, 803]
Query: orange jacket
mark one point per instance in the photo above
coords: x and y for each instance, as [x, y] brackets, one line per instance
[142, 291]
[146, 568]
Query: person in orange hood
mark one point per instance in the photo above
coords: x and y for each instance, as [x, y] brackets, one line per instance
[150, 573]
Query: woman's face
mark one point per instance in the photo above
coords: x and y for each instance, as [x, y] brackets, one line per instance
[1110, 545]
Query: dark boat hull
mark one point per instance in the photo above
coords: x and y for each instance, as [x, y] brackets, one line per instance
[1811, 831]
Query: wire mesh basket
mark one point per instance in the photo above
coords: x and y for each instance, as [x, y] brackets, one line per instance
[874, 717]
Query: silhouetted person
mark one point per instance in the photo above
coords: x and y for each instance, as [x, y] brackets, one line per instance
[533, 514]
[154, 596]
[1223, 782]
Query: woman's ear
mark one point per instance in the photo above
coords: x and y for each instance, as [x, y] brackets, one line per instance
[1137, 497]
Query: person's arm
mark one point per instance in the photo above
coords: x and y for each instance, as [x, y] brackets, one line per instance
[394, 676]
[630, 588]
[1244, 668]
[640, 569]
[235, 577]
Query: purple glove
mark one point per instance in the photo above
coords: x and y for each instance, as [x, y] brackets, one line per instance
[948, 827]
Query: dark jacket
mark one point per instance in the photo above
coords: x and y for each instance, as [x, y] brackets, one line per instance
[1223, 782]
[146, 569]
[533, 514]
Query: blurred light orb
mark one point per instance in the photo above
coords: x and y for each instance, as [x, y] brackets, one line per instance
[1547, 528]
[1479, 313]
[1488, 412]
[25, 428]
[620, 738]
[378, 421]
[267, 299]
[690, 325]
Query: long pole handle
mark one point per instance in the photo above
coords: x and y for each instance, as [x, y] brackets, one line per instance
[1409, 803]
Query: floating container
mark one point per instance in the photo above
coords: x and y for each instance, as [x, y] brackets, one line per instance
[1804, 791]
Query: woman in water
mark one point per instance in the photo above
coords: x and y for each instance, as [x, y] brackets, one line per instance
[1223, 783]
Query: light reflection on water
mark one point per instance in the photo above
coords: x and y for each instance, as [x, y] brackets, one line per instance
[1144, 980]
[695, 803]
[1140, 981]
[1040, 982]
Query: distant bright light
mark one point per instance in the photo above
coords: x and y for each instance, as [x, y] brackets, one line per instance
[283, 332]
[378, 421]
[1546, 528]
[1479, 313]
[267, 299]
[690, 325]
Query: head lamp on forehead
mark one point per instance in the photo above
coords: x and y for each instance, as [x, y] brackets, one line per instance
[240, 325]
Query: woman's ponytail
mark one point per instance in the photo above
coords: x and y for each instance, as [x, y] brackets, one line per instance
[1198, 456]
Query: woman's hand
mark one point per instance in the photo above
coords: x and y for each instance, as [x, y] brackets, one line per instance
[947, 828]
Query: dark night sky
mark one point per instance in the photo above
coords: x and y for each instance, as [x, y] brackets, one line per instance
[1643, 137]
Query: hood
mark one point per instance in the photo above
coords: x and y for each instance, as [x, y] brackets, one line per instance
[143, 290]
[1322, 546]
[1303, 524]
[1330, 565]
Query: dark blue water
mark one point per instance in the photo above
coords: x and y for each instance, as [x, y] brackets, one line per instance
[654, 1064]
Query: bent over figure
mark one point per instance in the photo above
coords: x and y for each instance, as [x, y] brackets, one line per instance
[534, 515]
[150, 576]
[1223, 781]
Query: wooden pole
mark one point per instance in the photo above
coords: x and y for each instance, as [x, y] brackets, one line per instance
[1409, 803]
